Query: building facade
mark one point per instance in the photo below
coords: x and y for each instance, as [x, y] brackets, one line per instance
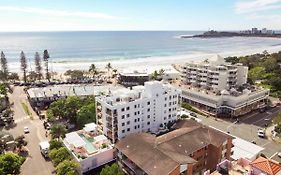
[145, 108]
[190, 149]
[226, 103]
[129, 79]
[214, 75]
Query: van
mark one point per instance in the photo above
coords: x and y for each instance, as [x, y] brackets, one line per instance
[44, 147]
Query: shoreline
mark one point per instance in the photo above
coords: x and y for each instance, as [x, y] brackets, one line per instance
[155, 62]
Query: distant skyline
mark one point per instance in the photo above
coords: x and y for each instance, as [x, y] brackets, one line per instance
[123, 15]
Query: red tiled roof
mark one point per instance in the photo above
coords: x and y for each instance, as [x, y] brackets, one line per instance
[266, 166]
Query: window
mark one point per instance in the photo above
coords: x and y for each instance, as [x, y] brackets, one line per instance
[128, 129]
[165, 105]
[123, 124]
[138, 119]
[148, 116]
[123, 116]
[128, 115]
[128, 122]
[148, 103]
[148, 123]
[135, 106]
[123, 109]
[123, 131]
[128, 108]
[135, 127]
[148, 109]
[135, 120]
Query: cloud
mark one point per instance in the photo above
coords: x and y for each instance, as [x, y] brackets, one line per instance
[57, 13]
[249, 6]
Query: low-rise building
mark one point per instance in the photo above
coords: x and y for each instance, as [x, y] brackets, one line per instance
[88, 148]
[129, 79]
[145, 108]
[191, 148]
[43, 96]
[232, 103]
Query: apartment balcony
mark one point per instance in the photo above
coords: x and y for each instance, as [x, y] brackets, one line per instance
[109, 119]
[100, 122]
[108, 112]
[130, 167]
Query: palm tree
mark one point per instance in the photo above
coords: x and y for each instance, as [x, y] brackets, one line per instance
[20, 142]
[93, 69]
[4, 66]
[38, 67]
[46, 57]
[108, 66]
[23, 62]
[58, 131]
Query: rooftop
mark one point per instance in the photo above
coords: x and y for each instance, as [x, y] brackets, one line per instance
[161, 155]
[68, 90]
[85, 143]
[266, 166]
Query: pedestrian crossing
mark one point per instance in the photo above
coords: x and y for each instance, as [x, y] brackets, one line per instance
[21, 119]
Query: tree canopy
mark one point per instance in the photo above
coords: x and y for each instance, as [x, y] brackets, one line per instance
[114, 169]
[59, 155]
[10, 163]
[58, 131]
[67, 167]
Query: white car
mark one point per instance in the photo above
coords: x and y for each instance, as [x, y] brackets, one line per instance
[261, 133]
[279, 154]
[25, 130]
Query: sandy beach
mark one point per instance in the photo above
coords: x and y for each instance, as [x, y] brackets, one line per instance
[149, 63]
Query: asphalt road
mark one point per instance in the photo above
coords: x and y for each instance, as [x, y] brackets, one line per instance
[247, 129]
[35, 163]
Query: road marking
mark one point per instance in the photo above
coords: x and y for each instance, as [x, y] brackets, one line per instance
[21, 119]
[265, 144]
[264, 117]
[273, 155]
[250, 116]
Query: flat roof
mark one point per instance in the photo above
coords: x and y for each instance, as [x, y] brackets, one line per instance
[245, 149]
[69, 90]
[74, 139]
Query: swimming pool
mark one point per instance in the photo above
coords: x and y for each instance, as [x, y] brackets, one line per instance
[89, 146]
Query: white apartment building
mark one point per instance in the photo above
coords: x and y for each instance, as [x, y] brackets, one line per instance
[214, 74]
[141, 109]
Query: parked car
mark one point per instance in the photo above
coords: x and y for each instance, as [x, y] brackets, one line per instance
[26, 130]
[279, 154]
[261, 133]
[193, 114]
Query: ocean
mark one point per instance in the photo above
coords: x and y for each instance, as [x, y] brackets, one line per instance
[73, 48]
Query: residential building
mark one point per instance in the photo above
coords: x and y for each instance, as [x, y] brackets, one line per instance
[217, 74]
[88, 148]
[44, 96]
[191, 148]
[145, 108]
[129, 79]
[259, 166]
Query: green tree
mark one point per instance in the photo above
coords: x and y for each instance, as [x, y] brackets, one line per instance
[75, 74]
[46, 57]
[10, 163]
[67, 167]
[20, 142]
[155, 75]
[58, 131]
[256, 73]
[108, 66]
[59, 155]
[55, 144]
[72, 105]
[13, 76]
[4, 67]
[38, 67]
[57, 109]
[114, 169]
[23, 63]
[86, 115]
[3, 89]
[93, 70]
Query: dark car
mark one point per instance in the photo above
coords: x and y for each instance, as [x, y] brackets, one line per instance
[193, 114]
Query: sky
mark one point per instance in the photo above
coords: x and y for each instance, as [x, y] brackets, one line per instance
[116, 15]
